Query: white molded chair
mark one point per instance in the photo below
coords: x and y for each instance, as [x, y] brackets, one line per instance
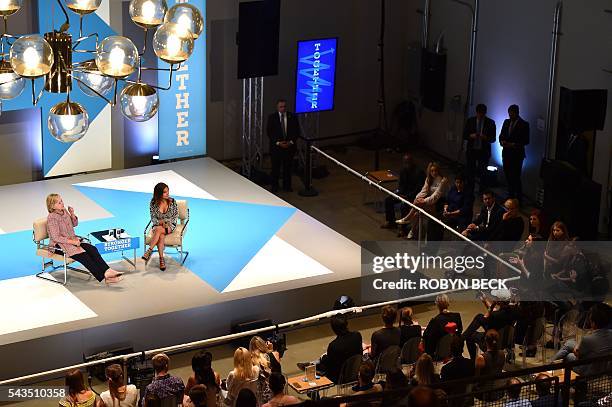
[174, 239]
[40, 235]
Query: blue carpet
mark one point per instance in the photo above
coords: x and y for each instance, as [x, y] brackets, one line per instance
[222, 236]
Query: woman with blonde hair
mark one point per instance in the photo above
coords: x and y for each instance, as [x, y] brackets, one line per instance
[244, 375]
[434, 188]
[118, 394]
[424, 372]
[60, 227]
[264, 352]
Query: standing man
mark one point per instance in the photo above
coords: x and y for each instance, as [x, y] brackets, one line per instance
[479, 133]
[283, 130]
[513, 138]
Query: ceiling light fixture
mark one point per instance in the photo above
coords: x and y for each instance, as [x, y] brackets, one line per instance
[115, 59]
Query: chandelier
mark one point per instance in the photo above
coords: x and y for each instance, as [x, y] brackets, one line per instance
[115, 59]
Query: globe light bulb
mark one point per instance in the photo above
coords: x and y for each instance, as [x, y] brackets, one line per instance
[116, 56]
[9, 7]
[83, 7]
[68, 122]
[91, 80]
[31, 58]
[187, 17]
[170, 45]
[139, 102]
[173, 45]
[148, 13]
[11, 84]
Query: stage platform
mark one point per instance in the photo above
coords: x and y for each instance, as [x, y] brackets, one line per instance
[252, 256]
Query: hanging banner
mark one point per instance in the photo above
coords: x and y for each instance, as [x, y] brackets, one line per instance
[182, 109]
[316, 75]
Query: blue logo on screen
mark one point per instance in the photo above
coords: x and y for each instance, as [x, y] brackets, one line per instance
[316, 71]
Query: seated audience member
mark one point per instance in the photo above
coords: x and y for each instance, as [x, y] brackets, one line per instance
[118, 394]
[394, 380]
[387, 336]
[151, 400]
[244, 374]
[440, 325]
[164, 385]
[411, 180]
[458, 367]
[500, 314]
[512, 225]
[458, 210]
[279, 397]
[196, 397]
[423, 396]
[491, 362]
[246, 398]
[409, 328]
[514, 394]
[488, 220]
[595, 344]
[424, 372]
[365, 379]
[557, 247]
[204, 374]
[434, 188]
[545, 397]
[346, 344]
[537, 225]
[528, 314]
[78, 393]
[263, 351]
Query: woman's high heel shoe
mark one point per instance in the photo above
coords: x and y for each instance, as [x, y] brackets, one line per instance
[162, 264]
[147, 255]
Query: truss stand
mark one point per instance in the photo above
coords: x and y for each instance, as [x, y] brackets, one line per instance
[252, 126]
[309, 124]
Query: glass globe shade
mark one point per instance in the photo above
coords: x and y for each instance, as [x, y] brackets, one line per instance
[188, 17]
[68, 122]
[172, 44]
[117, 56]
[148, 13]
[31, 56]
[88, 73]
[139, 102]
[9, 7]
[11, 84]
[83, 7]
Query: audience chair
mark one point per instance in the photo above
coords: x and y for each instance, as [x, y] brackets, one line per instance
[175, 239]
[506, 337]
[410, 351]
[388, 360]
[171, 401]
[349, 370]
[40, 235]
[535, 333]
[443, 350]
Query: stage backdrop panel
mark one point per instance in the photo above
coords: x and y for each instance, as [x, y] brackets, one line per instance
[182, 109]
[316, 75]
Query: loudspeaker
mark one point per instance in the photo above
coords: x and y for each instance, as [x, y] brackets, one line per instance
[433, 80]
[571, 198]
[581, 110]
[258, 36]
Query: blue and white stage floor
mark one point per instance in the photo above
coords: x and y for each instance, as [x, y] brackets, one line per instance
[252, 256]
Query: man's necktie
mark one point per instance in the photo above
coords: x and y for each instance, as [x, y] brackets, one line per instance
[283, 126]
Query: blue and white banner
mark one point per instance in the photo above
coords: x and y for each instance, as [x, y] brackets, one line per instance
[182, 109]
[316, 75]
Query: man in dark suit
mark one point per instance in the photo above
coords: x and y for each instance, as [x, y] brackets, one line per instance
[479, 133]
[283, 130]
[513, 138]
[488, 220]
[411, 181]
[458, 368]
[345, 345]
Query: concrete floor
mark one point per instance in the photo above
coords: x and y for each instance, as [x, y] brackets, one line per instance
[340, 206]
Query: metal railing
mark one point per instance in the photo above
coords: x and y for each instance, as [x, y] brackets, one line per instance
[421, 211]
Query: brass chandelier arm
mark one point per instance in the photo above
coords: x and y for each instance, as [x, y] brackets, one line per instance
[81, 39]
[36, 99]
[171, 70]
[66, 24]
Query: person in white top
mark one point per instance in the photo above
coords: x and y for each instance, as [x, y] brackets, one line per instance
[118, 394]
[434, 188]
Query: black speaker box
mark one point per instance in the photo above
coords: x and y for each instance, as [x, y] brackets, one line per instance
[433, 80]
[258, 36]
[583, 109]
[571, 198]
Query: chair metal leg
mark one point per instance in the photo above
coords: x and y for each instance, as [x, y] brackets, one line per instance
[65, 268]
